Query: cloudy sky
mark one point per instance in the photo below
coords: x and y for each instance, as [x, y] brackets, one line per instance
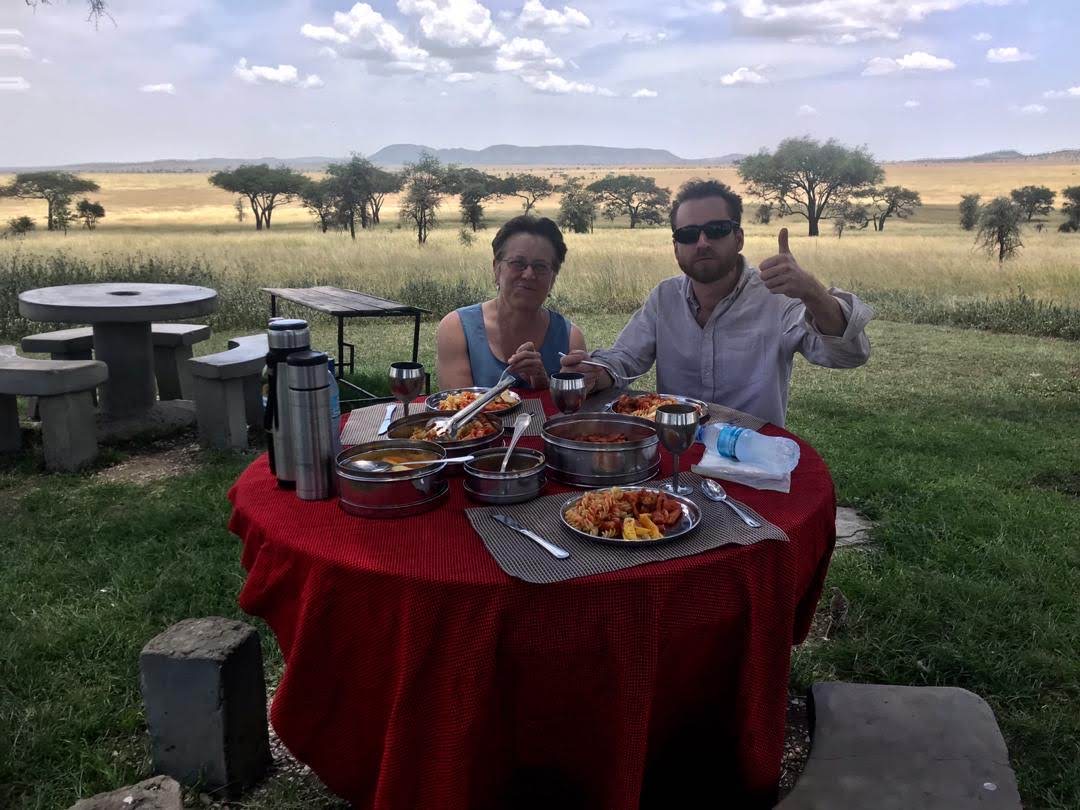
[248, 78]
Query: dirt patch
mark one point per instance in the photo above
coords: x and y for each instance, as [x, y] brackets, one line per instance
[796, 744]
[156, 461]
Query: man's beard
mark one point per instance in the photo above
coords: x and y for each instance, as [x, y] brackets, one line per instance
[709, 272]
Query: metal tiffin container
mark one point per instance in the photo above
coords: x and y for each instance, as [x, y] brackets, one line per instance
[523, 480]
[406, 426]
[391, 493]
[601, 449]
[309, 424]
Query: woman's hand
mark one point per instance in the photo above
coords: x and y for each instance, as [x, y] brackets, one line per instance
[527, 364]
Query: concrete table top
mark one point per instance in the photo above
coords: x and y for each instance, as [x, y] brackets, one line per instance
[114, 302]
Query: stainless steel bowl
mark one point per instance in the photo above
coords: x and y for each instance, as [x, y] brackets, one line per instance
[594, 464]
[432, 402]
[523, 480]
[403, 428]
[390, 494]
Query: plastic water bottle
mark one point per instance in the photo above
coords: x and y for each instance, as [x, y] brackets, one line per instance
[335, 410]
[774, 454]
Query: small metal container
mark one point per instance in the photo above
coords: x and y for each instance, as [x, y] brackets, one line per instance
[402, 429]
[597, 464]
[523, 480]
[390, 494]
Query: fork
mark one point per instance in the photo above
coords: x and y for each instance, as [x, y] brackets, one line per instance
[616, 376]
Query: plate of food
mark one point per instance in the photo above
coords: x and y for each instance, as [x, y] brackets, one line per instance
[630, 516]
[644, 405]
[480, 431]
[454, 399]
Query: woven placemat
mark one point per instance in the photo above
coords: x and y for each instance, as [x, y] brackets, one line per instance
[722, 413]
[363, 423]
[526, 560]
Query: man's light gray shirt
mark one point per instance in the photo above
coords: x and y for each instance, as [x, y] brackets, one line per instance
[743, 355]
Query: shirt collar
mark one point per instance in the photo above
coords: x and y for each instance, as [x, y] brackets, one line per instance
[726, 301]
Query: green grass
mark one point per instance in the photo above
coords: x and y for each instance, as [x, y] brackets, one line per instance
[963, 446]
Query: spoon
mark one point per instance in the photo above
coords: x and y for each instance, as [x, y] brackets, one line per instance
[714, 492]
[521, 424]
[368, 465]
[616, 376]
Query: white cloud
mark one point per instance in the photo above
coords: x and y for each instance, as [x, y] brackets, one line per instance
[918, 60]
[454, 24]
[644, 92]
[983, 82]
[549, 82]
[15, 50]
[717, 7]
[645, 37]
[1031, 109]
[1008, 55]
[806, 111]
[535, 14]
[164, 87]
[14, 83]
[743, 75]
[11, 32]
[1072, 92]
[526, 54]
[982, 36]
[363, 33]
[911, 104]
[328, 52]
[453, 78]
[282, 74]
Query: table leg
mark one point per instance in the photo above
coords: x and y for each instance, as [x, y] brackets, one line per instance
[127, 350]
[416, 338]
[273, 306]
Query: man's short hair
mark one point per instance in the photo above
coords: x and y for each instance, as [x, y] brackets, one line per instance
[698, 189]
[538, 226]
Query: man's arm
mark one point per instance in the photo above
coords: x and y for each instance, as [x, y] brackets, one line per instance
[632, 353]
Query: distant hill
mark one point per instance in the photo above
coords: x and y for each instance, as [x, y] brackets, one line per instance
[401, 153]
[1010, 156]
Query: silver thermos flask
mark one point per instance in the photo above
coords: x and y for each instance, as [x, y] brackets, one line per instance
[284, 336]
[309, 424]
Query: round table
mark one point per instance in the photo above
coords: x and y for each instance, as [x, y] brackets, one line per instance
[121, 315]
[419, 674]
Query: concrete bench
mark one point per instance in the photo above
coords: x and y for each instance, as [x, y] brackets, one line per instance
[903, 747]
[228, 392]
[172, 349]
[68, 422]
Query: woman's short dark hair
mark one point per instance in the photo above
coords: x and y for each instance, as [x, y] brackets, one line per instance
[698, 189]
[538, 226]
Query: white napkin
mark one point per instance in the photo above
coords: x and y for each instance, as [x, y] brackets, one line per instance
[714, 465]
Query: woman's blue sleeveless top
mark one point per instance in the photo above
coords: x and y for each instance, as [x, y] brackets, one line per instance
[486, 367]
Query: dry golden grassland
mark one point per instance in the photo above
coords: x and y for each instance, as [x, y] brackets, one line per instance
[181, 217]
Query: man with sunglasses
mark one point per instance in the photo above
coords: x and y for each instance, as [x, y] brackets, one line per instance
[727, 332]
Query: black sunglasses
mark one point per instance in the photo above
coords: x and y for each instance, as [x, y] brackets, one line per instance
[717, 229]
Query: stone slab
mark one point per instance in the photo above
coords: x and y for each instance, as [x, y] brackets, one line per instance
[246, 357]
[77, 339]
[162, 419]
[27, 376]
[158, 793]
[68, 432]
[900, 747]
[178, 334]
[10, 430]
[114, 302]
[852, 528]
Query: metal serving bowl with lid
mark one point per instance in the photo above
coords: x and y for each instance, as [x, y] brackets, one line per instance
[402, 429]
[572, 460]
[523, 480]
[391, 493]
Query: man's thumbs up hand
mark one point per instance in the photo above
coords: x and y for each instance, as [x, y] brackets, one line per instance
[783, 276]
[782, 239]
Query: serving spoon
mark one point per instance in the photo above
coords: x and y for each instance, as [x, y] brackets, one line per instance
[370, 465]
[521, 424]
[714, 492]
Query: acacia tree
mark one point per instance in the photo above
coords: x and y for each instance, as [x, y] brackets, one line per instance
[529, 188]
[320, 198]
[633, 195]
[1071, 210]
[350, 184]
[999, 228]
[764, 213]
[426, 181]
[264, 187]
[89, 213]
[474, 189]
[806, 177]
[380, 184]
[577, 208]
[851, 214]
[1033, 200]
[969, 211]
[892, 201]
[20, 226]
[56, 188]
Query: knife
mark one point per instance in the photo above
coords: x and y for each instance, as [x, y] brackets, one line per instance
[387, 419]
[551, 548]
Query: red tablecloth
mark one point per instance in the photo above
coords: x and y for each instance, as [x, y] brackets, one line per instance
[419, 675]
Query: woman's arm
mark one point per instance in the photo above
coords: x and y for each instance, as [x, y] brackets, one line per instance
[452, 354]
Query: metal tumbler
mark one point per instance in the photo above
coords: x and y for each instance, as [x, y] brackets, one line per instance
[309, 424]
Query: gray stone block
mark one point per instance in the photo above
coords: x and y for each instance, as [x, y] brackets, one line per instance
[220, 413]
[10, 432]
[68, 430]
[26, 376]
[202, 684]
[902, 747]
[178, 334]
[77, 341]
[172, 371]
[159, 793]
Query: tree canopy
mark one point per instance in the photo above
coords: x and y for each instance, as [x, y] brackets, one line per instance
[474, 188]
[56, 188]
[969, 211]
[1033, 200]
[89, 213]
[264, 187]
[1071, 210]
[891, 201]
[577, 208]
[806, 177]
[999, 228]
[633, 195]
[426, 182]
[529, 188]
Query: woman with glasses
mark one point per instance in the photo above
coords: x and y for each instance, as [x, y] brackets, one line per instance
[513, 331]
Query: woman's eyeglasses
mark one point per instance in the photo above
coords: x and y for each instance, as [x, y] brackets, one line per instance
[519, 265]
[717, 229]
